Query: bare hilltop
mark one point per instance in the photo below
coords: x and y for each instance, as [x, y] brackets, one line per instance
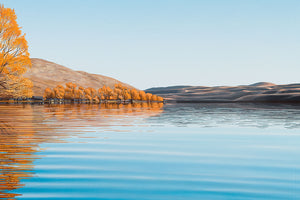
[45, 74]
[258, 92]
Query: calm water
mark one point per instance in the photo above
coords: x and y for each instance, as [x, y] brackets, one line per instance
[179, 151]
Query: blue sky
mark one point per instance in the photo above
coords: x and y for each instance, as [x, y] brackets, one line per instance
[150, 43]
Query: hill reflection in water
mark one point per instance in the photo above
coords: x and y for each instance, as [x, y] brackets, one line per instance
[23, 128]
[230, 114]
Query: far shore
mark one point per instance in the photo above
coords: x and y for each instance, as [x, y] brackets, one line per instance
[262, 92]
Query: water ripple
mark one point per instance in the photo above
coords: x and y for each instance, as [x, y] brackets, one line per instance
[202, 151]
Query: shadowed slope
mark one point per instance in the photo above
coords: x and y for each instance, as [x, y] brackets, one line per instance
[258, 92]
[48, 74]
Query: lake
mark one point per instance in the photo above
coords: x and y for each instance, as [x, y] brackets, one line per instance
[150, 151]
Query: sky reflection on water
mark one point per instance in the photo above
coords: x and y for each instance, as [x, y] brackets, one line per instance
[150, 151]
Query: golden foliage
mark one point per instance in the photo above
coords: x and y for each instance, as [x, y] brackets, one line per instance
[119, 93]
[14, 57]
[15, 87]
[48, 94]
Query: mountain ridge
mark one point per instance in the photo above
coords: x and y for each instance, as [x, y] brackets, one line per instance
[257, 92]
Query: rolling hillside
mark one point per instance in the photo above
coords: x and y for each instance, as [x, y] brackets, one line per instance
[48, 74]
[258, 92]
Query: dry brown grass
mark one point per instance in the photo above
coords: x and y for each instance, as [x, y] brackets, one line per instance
[48, 74]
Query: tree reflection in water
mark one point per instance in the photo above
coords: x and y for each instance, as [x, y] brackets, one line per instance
[24, 127]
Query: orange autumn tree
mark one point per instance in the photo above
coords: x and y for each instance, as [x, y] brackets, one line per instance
[14, 57]
[48, 93]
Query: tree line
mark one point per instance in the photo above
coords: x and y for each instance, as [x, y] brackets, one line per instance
[105, 94]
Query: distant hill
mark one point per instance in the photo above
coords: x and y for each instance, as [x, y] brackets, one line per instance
[263, 84]
[257, 92]
[48, 74]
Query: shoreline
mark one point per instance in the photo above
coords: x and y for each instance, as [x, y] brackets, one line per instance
[3, 102]
[234, 102]
[52, 101]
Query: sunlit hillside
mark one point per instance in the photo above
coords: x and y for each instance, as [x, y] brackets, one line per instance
[45, 74]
